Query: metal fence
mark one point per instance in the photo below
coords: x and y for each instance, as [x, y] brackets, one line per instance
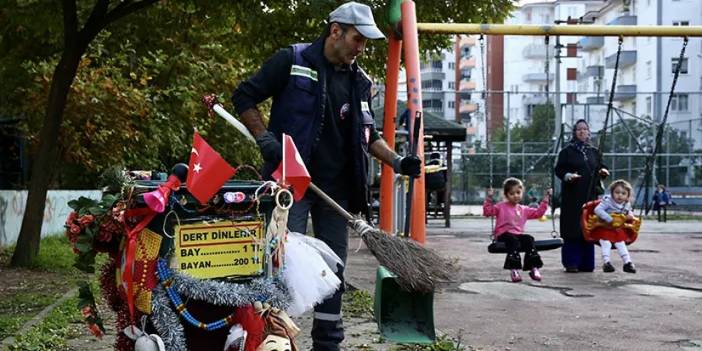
[521, 143]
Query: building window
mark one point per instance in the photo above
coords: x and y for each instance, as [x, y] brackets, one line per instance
[679, 102]
[452, 104]
[452, 65]
[571, 98]
[674, 64]
[648, 105]
[452, 85]
[437, 64]
[572, 74]
[434, 84]
[649, 69]
[681, 23]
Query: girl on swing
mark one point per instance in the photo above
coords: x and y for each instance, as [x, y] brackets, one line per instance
[510, 217]
[616, 202]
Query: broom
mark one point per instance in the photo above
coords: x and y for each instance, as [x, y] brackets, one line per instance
[416, 267]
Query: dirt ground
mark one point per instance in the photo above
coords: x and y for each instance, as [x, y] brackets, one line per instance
[659, 308]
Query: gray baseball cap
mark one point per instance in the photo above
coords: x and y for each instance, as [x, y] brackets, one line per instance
[358, 15]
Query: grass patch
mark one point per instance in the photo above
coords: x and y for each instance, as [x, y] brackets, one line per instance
[27, 291]
[443, 343]
[51, 333]
[358, 304]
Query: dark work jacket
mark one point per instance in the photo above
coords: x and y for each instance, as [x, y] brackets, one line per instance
[575, 194]
[299, 112]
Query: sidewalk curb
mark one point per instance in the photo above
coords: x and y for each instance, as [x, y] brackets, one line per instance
[10, 340]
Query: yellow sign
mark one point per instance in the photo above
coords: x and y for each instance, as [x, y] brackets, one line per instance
[220, 249]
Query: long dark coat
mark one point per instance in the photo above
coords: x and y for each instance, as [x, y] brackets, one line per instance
[575, 194]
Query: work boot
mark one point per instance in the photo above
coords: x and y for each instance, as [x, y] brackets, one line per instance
[535, 274]
[608, 268]
[629, 267]
[516, 278]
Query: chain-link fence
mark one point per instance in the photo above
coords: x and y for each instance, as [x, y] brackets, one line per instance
[527, 148]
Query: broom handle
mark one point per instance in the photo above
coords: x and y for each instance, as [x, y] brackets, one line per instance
[331, 202]
[413, 152]
[219, 109]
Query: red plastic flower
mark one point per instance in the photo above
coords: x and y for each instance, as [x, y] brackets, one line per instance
[95, 330]
[86, 220]
[75, 229]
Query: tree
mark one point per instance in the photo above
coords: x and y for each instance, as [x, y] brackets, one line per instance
[76, 40]
[131, 93]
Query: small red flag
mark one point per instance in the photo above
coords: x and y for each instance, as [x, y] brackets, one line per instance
[207, 170]
[292, 170]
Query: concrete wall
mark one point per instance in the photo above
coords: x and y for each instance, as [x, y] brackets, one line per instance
[12, 204]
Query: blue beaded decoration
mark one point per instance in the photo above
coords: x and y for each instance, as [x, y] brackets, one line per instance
[166, 277]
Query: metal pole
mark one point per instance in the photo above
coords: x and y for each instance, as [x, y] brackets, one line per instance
[614, 151]
[667, 158]
[414, 104]
[570, 30]
[628, 172]
[387, 176]
[509, 138]
[557, 97]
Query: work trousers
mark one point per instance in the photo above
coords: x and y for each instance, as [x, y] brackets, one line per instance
[330, 227]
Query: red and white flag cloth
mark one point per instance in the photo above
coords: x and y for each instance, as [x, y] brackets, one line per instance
[292, 170]
[207, 170]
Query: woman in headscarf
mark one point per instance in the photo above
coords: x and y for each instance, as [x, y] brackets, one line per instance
[581, 171]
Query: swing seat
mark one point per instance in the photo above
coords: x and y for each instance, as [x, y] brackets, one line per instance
[540, 245]
[594, 228]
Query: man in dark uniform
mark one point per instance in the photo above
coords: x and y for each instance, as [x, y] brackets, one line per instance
[322, 99]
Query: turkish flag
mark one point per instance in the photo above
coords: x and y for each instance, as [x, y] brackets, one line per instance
[207, 170]
[292, 170]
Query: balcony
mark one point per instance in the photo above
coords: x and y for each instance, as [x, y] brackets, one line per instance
[467, 85]
[436, 94]
[468, 107]
[537, 77]
[596, 71]
[466, 41]
[625, 20]
[591, 43]
[467, 63]
[536, 51]
[625, 92]
[595, 100]
[627, 58]
[433, 75]
[534, 99]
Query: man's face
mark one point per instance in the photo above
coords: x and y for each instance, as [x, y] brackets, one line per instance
[346, 45]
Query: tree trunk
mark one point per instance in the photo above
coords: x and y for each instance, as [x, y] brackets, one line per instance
[45, 161]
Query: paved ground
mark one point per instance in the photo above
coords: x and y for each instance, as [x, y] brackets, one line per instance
[659, 308]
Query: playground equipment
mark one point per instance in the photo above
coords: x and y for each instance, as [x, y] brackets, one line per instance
[401, 15]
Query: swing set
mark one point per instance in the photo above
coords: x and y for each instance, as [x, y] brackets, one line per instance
[403, 37]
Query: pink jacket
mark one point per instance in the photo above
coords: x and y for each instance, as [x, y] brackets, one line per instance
[511, 218]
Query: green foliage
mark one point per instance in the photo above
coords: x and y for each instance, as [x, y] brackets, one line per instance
[136, 97]
[35, 293]
[443, 343]
[358, 304]
[50, 334]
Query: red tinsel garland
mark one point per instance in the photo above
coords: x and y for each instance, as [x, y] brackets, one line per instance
[111, 295]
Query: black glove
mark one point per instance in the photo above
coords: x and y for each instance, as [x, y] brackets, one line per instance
[408, 165]
[271, 149]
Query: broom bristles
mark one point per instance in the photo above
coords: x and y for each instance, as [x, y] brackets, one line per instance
[416, 267]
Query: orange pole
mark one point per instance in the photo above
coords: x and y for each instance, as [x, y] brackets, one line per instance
[387, 177]
[414, 104]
